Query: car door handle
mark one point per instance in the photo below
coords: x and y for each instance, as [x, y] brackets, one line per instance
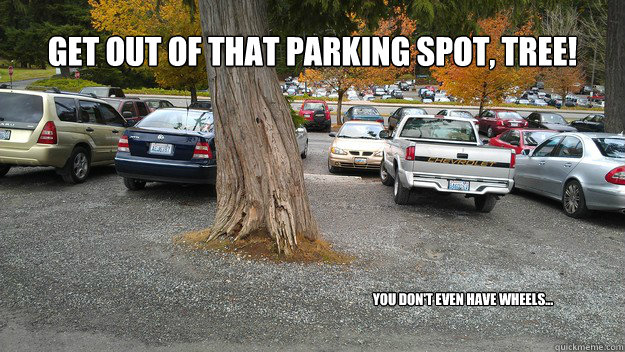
[115, 131]
[568, 165]
[89, 129]
[541, 163]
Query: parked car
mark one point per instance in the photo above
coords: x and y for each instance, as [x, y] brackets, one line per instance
[104, 92]
[523, 101]
[131, 109]
[519, 139]
[397, 94]
[584, 171]
[538, 102]
[463, 114]
[402, 112]
[548, 120]
[70, 132]
[378, 92]
[497, 121]
[363, 112]
[170, 145]
[317, 115]
[555, 102]
[206, 105]
[446, 155]
[155, 104]
[302, 141]
[590, 123]
[356, 145]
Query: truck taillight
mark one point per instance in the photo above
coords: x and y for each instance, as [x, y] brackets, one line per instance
[410, 153]
[616, 176]
[122, 145]
[48, 134]
[512, 159]
[202, 151]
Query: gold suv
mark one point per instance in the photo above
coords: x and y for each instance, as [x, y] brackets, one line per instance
[70, 132]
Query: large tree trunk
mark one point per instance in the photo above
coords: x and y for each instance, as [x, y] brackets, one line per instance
[615, 68]
[193, 94]
[260, 180]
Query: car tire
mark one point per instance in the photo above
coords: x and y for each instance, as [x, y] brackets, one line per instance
[332, 169]
[385, 176]
[305, 152]
[401, 194]
[133, 184]
[77, 167]
[4, 169]
[490, 133]
[574, 201]
[485, 203]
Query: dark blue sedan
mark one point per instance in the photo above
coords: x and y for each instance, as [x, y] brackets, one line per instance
[169, 145]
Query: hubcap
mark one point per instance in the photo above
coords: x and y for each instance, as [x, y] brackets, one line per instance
[571, 198]
[80, 165]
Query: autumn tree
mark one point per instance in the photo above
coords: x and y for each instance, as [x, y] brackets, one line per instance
[482, 84]
[563, 80]
[165, 18]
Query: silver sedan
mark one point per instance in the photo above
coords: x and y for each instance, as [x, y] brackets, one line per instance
[584, 171]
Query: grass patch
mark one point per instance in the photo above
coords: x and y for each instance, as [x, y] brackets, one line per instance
[20, 74]
[64, 84]
[263, 247]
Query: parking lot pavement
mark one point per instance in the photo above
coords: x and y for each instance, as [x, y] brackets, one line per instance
[92, 267]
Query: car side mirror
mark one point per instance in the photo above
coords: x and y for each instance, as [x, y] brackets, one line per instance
[385, 134]
[127, 114]
[332, 134]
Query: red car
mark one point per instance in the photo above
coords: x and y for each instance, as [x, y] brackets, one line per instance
[496, 121]
[317, 114]
[519, 139]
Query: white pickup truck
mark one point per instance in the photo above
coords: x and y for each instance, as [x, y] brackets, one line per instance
[447, 155]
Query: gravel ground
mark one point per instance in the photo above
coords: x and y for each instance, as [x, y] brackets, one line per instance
[92, 267]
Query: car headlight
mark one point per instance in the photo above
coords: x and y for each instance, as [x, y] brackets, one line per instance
[378, 153]
[338, 151]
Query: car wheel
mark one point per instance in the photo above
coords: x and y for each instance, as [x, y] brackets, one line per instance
[573, 200]
[401, 194]
[490, 133]
[133, 184]
[305, 152]
[77, 167]
[332, 169]
[385, 177]
[4, 169]
[485, 203]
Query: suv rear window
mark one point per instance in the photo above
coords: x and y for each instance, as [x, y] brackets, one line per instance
[21, 108]
[439, 129]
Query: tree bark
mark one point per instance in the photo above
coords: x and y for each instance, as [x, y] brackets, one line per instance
[260, 180]
[615, 68]
[339, 108]
[193, 94]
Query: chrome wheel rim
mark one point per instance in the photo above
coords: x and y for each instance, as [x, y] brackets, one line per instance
[572, 198]
[81, 165]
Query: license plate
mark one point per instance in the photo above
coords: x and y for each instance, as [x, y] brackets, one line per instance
[161, 149]
[514, 123]
[360, 161]
[458, 185]
[5, 135]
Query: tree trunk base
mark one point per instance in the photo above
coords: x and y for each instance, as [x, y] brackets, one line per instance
[262, 246]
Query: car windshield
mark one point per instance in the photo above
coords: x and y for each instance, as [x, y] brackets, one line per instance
[553, 118]
[153, 104]
[98, 91]
[365, 112]
[439, 129]
[360, 130]
[23, 108]
[178, 120]
[611, 147]
[534, 138]
[509, 115]
[460, 113]
[314, 106]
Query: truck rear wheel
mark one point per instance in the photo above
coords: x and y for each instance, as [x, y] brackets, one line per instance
[485, 203]
[4, 169]
[402, 194]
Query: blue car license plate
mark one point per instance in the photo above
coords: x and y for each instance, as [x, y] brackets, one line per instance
[458, 185]
[360, 161]
[161, 149]
[5, 135]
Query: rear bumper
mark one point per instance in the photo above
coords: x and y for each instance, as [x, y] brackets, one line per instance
[608, 198]
[172, 171]
[440, 183]
[312, 124]
[348, 162]
[38, 155]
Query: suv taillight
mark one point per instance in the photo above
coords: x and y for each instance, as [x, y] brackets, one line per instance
[48, 134]
[202, 151]
[122, 145]
[410, 153]
[616, 176]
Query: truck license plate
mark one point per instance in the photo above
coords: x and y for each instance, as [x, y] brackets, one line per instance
[5, 135]
[458, 185]
[161, 149]
[360, 161]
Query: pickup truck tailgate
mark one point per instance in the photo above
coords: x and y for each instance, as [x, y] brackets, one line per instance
[462, 161]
